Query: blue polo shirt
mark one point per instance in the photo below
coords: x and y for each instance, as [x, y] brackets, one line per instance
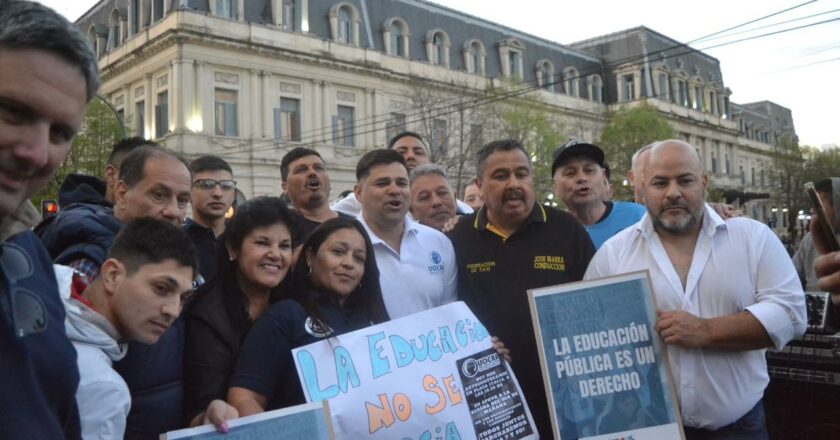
[619, 215]
[265, 364]
[38, 372]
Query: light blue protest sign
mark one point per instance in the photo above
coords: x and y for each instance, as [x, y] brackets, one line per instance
[605, 368]
[310, 421]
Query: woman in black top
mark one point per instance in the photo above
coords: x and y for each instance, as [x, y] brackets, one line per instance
[336, 290]
[256, 258]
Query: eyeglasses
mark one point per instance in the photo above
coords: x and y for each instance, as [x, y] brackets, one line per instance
[23, 308]
[209, 184]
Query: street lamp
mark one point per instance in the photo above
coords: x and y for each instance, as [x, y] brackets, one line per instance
[116, 114]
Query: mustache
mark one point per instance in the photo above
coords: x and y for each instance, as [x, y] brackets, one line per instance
[19, 169]
[513, 194]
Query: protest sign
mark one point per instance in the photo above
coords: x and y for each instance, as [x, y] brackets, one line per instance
[433, 376]
[605, 368]
[310, 421]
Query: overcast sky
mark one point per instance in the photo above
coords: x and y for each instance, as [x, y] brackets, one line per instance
[799, 69]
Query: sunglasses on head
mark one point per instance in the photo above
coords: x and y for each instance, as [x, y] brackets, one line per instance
[209, 184]
[23, 309]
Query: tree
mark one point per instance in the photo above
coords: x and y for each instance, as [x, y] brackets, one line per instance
[90, 149]
[453, 124]
[627, 130]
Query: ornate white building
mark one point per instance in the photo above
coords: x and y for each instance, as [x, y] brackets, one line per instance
[250, 79]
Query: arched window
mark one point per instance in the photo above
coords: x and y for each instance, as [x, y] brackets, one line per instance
[474, 56]
[345, 26]
[344, 23]
[545, 74]
[114, 30]
[93, 41]
[437, 47]
[571, 81]
[596, 87]
[396, 35]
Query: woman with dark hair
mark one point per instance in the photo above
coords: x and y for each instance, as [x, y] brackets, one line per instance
[255, 259]
[335, 290]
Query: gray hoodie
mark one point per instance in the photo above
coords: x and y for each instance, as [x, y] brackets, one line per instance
[103, 396]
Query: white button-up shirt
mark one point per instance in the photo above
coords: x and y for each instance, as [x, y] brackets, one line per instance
[421, 276]
[737, 265]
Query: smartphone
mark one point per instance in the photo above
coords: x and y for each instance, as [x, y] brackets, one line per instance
[819, 208]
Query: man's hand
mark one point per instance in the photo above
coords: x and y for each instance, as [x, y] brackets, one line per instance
[500, 348]
[724, 210]
[683, 329]
[450, 224]
[218, 413]
[827, 265]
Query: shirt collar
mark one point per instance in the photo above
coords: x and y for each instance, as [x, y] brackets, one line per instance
[410, 228]
[538, 215]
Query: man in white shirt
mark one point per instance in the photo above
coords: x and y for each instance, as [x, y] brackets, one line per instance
[726, 291]
[416, 263]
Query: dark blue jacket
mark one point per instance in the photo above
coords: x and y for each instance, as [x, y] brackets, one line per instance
[80, 230]
[79, 188]
[38, 372]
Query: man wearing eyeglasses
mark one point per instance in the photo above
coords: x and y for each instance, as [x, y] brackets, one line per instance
[48, 75]
[213, 193]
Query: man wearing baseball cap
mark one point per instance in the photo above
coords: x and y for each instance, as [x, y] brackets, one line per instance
[581, 180]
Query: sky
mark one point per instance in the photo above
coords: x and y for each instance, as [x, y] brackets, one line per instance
[799, 69]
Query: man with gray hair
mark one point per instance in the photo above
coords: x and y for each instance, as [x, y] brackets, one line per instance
[432, 198]
[637, 170]
[47, 77]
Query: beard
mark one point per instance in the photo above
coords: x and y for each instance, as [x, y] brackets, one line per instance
[676, 224]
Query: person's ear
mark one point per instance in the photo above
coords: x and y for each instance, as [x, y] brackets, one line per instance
[231, 251]
[111, 274]
[120, 190]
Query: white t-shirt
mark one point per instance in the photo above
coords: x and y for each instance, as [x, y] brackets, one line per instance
[423, 275]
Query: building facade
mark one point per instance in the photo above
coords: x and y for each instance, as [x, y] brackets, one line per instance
[250, 79]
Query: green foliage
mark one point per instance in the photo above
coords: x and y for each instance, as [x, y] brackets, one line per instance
[628, 130]
[90, 149]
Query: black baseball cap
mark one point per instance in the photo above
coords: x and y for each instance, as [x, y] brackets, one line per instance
[576, 147]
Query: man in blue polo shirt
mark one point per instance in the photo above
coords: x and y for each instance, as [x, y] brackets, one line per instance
[581, 180]
[47, 77]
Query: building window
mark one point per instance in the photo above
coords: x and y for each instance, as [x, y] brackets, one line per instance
[140, 118]
[440, 139]
[545, 75]
[572, 82]
[727, 170]
[752, 176]
[287, 120]
[395, 32]
[513, 64]
[628, 87]
[663, 87]
[134, 17]
[343, 126]
[726, 107]
[743, 175]
[682, 93]
[510, 56]
[157, 10]
[226, 119]
[395, 125]
[345, 26]
[596, 88]
[162, 115]
[344, 23]
[114, 30]
[288, 17]
[227, 9]
[713, 103]
[437, 47]
[714, 163]
[474, 57]
[698, 98]
[121, 116]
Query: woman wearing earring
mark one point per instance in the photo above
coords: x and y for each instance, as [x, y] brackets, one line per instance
[256, 258]
[335, 288]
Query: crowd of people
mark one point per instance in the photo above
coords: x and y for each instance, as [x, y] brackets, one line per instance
[141, 308]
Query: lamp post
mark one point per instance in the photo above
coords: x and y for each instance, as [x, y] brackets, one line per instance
[116, 114]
